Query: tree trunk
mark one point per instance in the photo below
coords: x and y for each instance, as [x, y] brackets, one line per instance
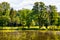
[46, 27]
[28, 26]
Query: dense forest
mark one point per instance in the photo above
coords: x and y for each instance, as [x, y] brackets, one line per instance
[40, 15]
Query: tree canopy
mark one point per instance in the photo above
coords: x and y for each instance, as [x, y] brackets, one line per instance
[40, 15]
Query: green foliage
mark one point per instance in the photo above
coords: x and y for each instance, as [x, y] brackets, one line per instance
[53, 15]
[40, 15]
[4, 21]
[40, 10]
[24, 15]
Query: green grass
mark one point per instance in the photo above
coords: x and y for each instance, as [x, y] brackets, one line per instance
[31, 28]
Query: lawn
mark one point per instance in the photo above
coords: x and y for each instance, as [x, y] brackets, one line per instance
[31, 28]
[12, 29]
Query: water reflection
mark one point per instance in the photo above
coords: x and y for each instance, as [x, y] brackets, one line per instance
[30, 35]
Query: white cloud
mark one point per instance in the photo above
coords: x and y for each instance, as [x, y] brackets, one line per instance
[19, 4]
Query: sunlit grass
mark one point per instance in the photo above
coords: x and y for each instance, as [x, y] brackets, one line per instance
[43, 27]
[7, 30]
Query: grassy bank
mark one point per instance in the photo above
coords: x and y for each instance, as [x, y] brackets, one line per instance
[31, 28]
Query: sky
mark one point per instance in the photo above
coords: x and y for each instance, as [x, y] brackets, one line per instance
[28, 4]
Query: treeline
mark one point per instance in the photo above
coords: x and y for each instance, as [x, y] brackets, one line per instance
[40, 15]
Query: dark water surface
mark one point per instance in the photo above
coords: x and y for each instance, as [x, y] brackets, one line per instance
[30, 35]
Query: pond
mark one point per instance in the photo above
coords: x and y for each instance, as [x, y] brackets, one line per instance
[29, 35]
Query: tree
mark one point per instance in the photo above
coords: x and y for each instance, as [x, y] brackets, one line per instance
[39, 9]
[5, 7]
[1, 11]
[28, 19]
[4, 21]
[53, 15]
[24, 15]
[12, 16]
[4, 11]
[58, 24]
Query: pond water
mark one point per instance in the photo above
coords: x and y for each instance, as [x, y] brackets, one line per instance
[29, 35]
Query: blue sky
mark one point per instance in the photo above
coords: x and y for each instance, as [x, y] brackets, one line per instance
[19, 4]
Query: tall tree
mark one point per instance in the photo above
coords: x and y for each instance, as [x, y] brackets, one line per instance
[5, 7]
[4, 11]
[39, 9]
[12, 16]
[24, 17]
[53, 15]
